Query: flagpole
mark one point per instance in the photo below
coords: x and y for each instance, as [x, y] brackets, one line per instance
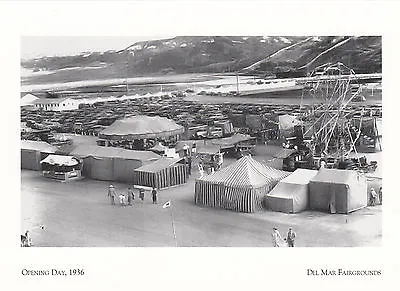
[173, 227]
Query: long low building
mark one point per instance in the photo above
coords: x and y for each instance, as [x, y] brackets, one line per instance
[32, 152]
[111, 164]
[99, 163]
[56, 104]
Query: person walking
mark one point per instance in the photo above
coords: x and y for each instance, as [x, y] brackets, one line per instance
[131, 196]
[112, 194]
[380, 194]
[28, 239]
[290, 237]
[190, 165]
[122, 199]
[277, 240]
[154, 195]
[374, 197]
[141, 194]
[332, 203]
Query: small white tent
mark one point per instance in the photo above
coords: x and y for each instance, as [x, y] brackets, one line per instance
[290, 195]
[28, 99]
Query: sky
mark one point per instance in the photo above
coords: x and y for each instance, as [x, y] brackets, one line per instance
[38, 46]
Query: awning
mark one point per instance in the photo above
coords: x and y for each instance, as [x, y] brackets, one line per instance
[40, 146]
[208, 150]
[231, 141]
[60, 160]
[159, 165]
[283, 154]
[159, 148]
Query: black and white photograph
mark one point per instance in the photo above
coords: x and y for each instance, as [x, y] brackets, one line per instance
[201, 141]
[199, 145]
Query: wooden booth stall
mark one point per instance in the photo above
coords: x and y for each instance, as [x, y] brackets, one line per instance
[163, 173]
[210, 158]
[61, 167]
[236, 145]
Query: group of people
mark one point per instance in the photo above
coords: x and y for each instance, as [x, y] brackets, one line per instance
[278, 241]
[128, 199]
[26, 240]
[375, 198]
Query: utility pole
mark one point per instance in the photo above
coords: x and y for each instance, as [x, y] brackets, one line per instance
[173, 227]
[237, 83]
[127, 69]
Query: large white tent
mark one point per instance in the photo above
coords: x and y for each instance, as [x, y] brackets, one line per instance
[28, 100]
[338, 191]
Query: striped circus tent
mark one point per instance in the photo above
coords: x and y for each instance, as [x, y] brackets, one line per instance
[241, 186]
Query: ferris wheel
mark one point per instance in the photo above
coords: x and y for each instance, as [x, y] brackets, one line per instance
[332, 130]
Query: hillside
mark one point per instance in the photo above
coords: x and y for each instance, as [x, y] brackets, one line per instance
[363, 54]
[210, 54]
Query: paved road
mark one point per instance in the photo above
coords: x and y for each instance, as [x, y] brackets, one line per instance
[78, 214]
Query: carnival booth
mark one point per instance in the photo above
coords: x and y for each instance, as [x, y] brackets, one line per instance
[187, 147]
[210, 158]
[61, 167]
[163, 173]
[286, 159]
[290, 195]
[241, 186]
[338, 191]
[32, 152]
[134, 132]
[236, 144]
[112, 164]
[159, 149]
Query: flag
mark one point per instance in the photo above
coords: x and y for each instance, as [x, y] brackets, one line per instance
[167, 204]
